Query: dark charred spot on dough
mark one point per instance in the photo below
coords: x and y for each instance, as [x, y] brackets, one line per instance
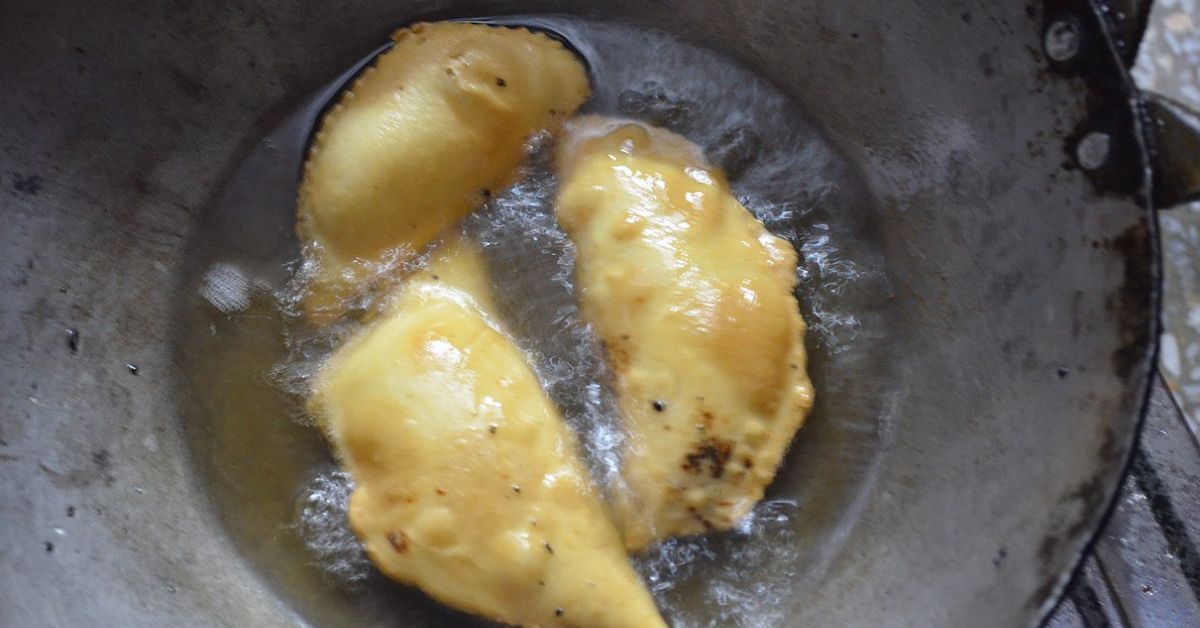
[439, 491]
[617, 354]
[658, 405]
[748, 463]
[711, 455]
[398, 541]
[500, 82]
[708, 525]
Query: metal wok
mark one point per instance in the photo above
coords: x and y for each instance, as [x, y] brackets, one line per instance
[954, 470]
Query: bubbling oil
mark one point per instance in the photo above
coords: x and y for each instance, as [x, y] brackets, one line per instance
[250, 357]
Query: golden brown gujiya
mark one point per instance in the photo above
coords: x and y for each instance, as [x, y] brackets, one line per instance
[468, 482]
[692, 299]
[434, 127]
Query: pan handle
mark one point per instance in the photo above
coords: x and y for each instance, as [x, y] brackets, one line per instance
[1173, 139]
[1172, 128]
[1127, 20]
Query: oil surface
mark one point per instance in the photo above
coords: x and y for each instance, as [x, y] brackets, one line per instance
[248, 356]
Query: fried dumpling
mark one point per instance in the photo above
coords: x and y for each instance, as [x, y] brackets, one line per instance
[468, 481]
[434, 127]
[692, 299]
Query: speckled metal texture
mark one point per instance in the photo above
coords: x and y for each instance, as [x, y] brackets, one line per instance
[1023, 306]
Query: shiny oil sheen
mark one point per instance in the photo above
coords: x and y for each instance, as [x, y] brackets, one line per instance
[692, 300]
[469, 483]
[421, 138]
[253, 355]
[971, 419]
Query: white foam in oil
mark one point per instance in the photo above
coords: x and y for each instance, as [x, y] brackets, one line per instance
[780, 168]
[321, 522]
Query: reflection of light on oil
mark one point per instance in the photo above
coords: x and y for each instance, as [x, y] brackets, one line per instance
[749, 296]
[740, 578]
[321, 525]
[444, 352]
[699, 175]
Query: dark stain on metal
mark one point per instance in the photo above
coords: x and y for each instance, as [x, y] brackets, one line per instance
[1133, 301]
[191, 87]
[31, 184]
[1109, 448]
[73, 340]
[1046, 589]
[1093, 498]
[103, 461]
[142, 185]
[987, 65]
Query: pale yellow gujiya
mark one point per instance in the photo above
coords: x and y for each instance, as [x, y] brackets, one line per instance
[468, 482]
[438, 124]
[693, 301]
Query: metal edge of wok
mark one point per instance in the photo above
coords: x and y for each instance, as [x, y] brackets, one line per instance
[1110, 33]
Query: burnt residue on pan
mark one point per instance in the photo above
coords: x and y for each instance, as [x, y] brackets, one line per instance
[1117, 168]
[1137, 296]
